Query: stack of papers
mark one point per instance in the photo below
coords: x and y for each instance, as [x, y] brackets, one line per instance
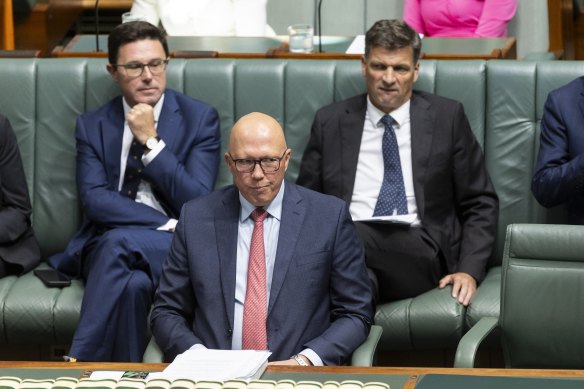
[202, 363]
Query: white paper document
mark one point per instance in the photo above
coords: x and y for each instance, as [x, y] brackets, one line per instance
[357, 46]
[201, 363]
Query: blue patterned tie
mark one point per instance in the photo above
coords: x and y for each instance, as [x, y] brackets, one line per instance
[392, 195]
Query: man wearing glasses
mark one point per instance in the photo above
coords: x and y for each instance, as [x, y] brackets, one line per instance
[140, 157]
[264, 264]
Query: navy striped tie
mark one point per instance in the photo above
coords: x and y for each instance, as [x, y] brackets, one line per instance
[392, 195]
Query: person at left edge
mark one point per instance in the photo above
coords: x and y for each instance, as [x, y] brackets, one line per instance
[19, 249]
[140, 157]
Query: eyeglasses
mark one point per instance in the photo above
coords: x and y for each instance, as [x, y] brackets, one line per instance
[268, 165]
[135, 69]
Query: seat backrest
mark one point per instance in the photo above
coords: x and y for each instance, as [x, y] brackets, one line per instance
[338, 17]
[503, 101]
[530, 27]
[542, 314]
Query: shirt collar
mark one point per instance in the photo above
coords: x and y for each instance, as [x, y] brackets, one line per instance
[274, 209]
[399, 115]
[157, 107]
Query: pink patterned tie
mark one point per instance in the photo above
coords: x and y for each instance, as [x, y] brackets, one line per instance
[255, 307]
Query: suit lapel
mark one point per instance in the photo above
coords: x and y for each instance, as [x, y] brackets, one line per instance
[112, 132]
[581, 101]
[226, 224]
[351, 125]
[422, 119]
[169, 120]
[293, 213]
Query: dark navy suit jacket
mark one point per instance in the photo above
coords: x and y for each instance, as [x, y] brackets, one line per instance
[559, 173]
[320, 296]
[186, 168]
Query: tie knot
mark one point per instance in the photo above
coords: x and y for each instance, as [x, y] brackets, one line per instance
[259, 214]
[387, 121]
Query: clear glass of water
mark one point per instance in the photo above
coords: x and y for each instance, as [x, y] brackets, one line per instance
[301, 38]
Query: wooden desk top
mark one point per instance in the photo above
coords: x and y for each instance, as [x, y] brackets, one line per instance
[334, 47]
[107, 4]
[411, 375]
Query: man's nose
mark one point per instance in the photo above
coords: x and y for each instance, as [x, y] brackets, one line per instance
[389, 75]
[257, 173]
[146, 73]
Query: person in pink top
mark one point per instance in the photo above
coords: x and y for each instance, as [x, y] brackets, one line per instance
[460, 18]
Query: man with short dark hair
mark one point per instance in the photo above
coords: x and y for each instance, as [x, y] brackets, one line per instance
[395, 154]
[140, 157]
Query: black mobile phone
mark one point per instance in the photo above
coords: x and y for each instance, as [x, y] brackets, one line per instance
[52, 278]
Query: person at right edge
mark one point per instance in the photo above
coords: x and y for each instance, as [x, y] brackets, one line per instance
[412, 154]
[559, 172]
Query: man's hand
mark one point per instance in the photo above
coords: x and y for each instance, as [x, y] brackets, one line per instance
[464, 286]
[141, 122]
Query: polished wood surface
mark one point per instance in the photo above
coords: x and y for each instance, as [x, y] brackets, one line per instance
[46, 25]
[107, 4]
[561, 28]
[412, 374]
[334, 47]
[7, 22]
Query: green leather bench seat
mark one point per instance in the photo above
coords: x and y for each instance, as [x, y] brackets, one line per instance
[43, 97]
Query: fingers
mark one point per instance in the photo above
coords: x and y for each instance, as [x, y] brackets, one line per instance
[141, 121]
[464, 286]
[446, 280]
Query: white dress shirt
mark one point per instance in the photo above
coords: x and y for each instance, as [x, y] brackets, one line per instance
[369, 175]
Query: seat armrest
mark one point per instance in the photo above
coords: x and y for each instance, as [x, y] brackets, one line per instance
[470, 342]
[153, 353]
[365, 353]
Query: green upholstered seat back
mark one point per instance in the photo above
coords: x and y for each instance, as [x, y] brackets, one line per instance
[503, 101]
[541, 296]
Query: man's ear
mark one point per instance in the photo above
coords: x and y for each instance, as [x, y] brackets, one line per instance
[227, 160]
[112, 71]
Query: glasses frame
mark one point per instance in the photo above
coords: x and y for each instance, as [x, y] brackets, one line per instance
[130, 65]
[258, 162]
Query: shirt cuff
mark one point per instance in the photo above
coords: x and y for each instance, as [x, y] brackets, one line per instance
[147, 158]
[169, 226]
[312, 357]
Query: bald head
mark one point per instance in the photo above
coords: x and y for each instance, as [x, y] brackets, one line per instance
[257, 141]
[258, 128]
